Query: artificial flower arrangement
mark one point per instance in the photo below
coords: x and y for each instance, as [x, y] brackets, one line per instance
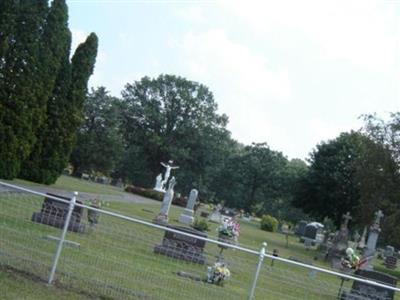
[229, 229]
[218, 273]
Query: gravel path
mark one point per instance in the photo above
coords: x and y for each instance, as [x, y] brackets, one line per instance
[125, 197]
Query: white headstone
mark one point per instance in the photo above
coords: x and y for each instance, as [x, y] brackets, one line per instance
[187, 215]
[162, 217]
[370, 249]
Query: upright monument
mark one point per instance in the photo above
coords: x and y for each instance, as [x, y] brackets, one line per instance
[370, 248]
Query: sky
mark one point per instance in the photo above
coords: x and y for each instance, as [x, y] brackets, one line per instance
[288, 73]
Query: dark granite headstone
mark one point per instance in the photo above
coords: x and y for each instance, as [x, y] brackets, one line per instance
[54, 213]
[204, 214]
[310, 232]
[182, 246]
[391, 262]
[360, 290]
[300, 228]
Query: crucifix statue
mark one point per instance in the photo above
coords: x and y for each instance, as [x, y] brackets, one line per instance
[168, 167]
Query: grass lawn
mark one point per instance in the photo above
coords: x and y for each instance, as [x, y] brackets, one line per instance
[116, 260]
[70, 183]
[16, 285]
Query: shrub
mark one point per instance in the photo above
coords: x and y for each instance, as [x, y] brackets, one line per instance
[144, 192]
[269, 223]
[201, 225]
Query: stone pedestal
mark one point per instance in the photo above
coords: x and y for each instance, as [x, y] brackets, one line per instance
[187, 217]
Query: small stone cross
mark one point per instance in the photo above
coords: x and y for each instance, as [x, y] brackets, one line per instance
[346, 218]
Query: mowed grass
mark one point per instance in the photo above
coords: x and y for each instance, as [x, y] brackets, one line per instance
[116, 259]
[69, 183]
[15, 285]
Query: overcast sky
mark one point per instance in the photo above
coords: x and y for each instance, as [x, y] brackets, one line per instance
[289, 73]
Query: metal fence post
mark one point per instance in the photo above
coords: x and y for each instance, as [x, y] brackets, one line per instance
[62, 238]
[260, 261]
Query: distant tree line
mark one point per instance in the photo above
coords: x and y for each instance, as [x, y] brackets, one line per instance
[170, 117]
[42, 90]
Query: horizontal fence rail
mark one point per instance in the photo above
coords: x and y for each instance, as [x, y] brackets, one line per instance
[102, 253]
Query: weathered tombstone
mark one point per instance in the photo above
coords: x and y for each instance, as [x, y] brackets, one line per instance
[162, 217]
[362, 242]
[391, 262]
[339, 243]
[181, 246]
[361, 290]
[204, 214]
[312, 234]
[370, 248]
[300, 228]
[216, 214]
[389, 251]
[54, 213]
[187, 215]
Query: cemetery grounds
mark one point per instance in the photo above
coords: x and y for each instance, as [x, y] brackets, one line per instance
[115, 259]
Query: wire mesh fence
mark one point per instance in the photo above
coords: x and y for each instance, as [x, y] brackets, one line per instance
[108, 255]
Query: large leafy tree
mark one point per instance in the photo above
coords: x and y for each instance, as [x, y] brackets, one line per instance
[379, 171]
[351, 173]
[99, 144]
[170, 117]
[252, 178]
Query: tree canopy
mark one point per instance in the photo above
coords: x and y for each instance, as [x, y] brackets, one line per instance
[171, 118]
[38, 82]
[350, 173]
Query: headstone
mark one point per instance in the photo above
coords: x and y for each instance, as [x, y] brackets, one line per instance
[312, 234]
[181, 246]
[389, 251]
[356, 237]
[162, 217]
[187, 215]
[391, 262]
[339, 243]
[362, 242]
[216, 214]
[204, 214]
[300, 228]
[361, 290]
[370, 248]
[54, 213]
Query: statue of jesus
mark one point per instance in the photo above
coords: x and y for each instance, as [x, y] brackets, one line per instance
[168, 168]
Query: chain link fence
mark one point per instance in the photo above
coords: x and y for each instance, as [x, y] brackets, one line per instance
[104, 254]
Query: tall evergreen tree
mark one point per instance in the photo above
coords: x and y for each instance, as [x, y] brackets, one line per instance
[64, 112]
[54, 51]
[22, 112]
